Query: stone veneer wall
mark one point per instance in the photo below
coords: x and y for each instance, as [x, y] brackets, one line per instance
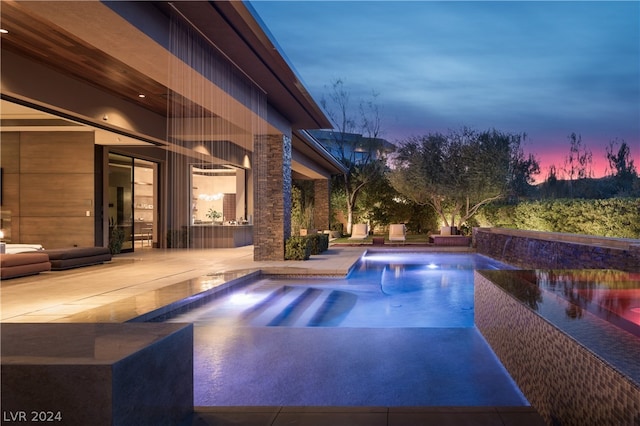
[548, 250]
[272, 215]
[565, 382]
[322, 210]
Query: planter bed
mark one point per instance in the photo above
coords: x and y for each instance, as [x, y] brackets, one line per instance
[450, 240]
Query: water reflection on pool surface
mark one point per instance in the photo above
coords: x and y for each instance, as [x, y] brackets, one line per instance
[397, 332]
[608, 294]
[383, 290]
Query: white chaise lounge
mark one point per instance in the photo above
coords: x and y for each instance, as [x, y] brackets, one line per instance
[397, 233]
[359, 231]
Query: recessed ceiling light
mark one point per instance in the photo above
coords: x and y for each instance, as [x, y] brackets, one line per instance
[141, 95]
[3, 31]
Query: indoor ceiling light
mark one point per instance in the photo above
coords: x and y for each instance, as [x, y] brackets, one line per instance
[141, 95]
[3, 31]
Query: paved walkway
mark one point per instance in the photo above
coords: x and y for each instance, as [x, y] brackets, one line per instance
[133, 284]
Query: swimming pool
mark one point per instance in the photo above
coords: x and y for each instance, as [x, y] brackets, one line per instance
[569, 338]
[398, 331]
[383, 290]
[611, 295]
[598, 308]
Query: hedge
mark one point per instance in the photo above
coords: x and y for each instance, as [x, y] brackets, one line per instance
[302, 247]
[297, 248]
[612, 217]
[319, 243]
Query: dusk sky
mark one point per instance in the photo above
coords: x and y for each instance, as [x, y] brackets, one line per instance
[542, 68]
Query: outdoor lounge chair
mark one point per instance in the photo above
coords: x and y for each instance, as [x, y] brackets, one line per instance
[359, 231]
[397, 233]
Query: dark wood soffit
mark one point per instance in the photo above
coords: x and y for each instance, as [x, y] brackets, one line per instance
[232, 28]
[44, 42]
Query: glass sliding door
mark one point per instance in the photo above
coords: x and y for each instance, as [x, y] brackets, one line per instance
[145, 200]
[120, 203]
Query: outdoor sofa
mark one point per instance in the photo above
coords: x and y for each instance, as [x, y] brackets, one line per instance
[74, 257]
[13, 265]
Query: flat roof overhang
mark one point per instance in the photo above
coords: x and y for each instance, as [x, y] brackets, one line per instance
[235, 31]
[93, 44]
[309, 155]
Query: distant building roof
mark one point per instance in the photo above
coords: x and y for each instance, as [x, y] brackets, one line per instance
[331, 138]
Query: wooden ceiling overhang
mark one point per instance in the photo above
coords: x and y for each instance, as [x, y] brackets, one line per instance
[90, 42]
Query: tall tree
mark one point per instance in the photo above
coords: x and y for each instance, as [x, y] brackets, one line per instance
[621, 165]
[356, 142]
[551, 186]
[456, 173]
[522, 170]
[577, 165]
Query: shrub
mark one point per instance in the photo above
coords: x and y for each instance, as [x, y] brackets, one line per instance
[297, 248]
[116, 239]
[318, 243]
[324, 242]
[611, 217]
[338, 226]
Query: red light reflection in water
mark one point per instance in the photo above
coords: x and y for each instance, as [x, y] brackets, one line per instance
[611, 295]
[623, 303]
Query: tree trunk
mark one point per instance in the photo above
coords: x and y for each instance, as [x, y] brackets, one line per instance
[351, 202]
[349, 219]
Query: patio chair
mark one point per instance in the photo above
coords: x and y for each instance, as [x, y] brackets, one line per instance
[359, 231]
[397, 233]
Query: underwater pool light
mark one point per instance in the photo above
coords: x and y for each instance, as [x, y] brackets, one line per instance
[244, 299]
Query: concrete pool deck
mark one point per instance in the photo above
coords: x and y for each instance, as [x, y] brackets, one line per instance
[136, 283]
[133, 284]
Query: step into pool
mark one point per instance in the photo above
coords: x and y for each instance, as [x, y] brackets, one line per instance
[397, 332]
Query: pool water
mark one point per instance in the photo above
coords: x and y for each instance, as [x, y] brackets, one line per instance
[384, 290]
[398, 331]
[611, 295]
[595, 308]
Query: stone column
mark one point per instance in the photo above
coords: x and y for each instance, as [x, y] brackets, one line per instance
[272, 213]
[322, 204]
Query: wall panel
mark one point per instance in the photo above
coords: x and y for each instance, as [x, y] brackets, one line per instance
[10, 163]
[57, 232]
[56, 152]
[10, 152]
[60, 194]
[49, 188]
